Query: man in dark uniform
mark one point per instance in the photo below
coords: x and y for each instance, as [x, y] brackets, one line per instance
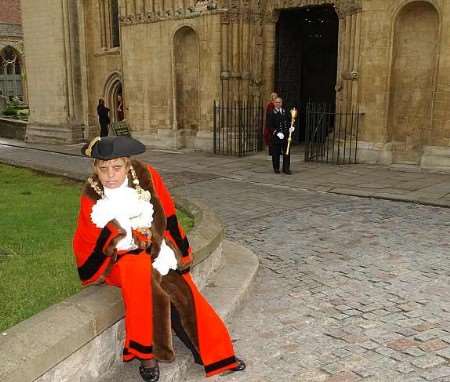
[103, 117]
[279, 125]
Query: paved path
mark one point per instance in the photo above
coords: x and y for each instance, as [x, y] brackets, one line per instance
[350, 289]
[403, 183]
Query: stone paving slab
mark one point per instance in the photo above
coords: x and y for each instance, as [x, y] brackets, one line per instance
[349, 288]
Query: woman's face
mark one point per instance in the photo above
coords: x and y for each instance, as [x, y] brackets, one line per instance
[112, 173]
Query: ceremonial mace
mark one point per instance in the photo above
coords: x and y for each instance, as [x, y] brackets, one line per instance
[293, 116]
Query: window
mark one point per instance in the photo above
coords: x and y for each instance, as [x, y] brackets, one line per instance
[109, 23]
[115, 33]
[10, 73]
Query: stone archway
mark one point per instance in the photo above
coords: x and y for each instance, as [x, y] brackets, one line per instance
[187, 72]
[113, 96]
[414, 61]
[349, 43]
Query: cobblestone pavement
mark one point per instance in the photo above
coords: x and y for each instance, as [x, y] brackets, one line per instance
[350, 289]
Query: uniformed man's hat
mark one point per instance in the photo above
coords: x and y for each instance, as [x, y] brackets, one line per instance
[107, 148]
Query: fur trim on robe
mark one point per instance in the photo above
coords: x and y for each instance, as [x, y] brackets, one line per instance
[177, 303]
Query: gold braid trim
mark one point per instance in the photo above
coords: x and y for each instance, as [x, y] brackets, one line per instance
[96, 187]
[88, 151]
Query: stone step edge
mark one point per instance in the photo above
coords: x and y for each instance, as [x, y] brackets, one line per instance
[37, 348]
[226, 291]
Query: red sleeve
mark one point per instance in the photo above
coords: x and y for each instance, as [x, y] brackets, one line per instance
[89, 243]
[174, 232]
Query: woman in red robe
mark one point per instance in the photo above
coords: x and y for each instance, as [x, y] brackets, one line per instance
[128, 236]
[269, 108]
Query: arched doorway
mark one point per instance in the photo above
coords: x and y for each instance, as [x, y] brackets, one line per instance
[114, 97]
[306, 58]
[10, 73]
[187, 68]
[414, 61]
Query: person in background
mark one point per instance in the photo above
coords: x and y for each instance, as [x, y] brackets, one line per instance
[103, 117]
[269, 108]
[128, 236]
[278, 123]
[120, 112]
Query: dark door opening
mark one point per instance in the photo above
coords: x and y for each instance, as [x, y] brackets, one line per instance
[306, 59]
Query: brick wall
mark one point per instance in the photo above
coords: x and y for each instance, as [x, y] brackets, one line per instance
[10, 12]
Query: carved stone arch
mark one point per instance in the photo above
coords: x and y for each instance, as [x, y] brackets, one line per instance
[416, 29]
[186, 61]
[398, 7]
[343, 7]
[113, 95]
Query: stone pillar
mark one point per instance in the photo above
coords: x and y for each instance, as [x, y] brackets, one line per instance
[347, 88]
[51, 44]
[269, 32]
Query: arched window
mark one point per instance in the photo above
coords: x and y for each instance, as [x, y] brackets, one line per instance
[114, 14]
[10, 73]
[109, 23]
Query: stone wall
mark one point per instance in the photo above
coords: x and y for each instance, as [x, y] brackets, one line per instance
[53, 70]
[10, 31]
[102, 64]
[14, 129]
[160, 77]
[10, 12]
[176, 58]
[404, 82]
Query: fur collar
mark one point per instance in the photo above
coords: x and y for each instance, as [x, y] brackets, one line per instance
[145, 180]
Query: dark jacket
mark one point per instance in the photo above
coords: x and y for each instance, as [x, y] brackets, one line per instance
[102, 112]
[278, 122]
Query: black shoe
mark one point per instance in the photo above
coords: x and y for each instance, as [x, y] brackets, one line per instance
[149, 374]
[276, 171]
[287, 172]
[239, 367]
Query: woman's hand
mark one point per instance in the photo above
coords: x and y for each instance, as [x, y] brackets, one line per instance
[117, 234]
[141, 238]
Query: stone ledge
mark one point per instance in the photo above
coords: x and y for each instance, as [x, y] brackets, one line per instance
[34, 347]
[12, 128]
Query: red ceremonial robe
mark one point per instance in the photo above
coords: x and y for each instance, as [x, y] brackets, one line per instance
[154, 304]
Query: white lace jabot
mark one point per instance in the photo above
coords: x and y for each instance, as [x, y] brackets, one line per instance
[124, 205]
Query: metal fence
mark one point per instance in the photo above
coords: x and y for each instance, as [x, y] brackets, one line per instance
[238, 127]
[331, 136]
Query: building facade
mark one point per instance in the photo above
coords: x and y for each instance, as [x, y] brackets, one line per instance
[12, 74]
[165, 63]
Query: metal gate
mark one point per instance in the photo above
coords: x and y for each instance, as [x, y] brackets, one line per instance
[331, 136]
[238, 128]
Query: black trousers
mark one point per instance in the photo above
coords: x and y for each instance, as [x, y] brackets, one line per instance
[104, 129]
[277, 151]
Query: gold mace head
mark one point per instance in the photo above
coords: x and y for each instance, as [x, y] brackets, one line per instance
[294, 113]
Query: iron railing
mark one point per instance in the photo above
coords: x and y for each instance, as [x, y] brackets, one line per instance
[238, 127]
[331, 136]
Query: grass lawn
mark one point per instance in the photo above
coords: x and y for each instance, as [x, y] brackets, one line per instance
[38, 218]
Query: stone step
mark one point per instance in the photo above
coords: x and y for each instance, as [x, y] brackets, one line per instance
[225, 291]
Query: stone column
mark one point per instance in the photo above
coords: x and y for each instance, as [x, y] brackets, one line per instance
[269, 33]
[51, 44]
[347, 87]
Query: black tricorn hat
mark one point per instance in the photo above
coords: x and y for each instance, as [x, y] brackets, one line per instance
[107, 148]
